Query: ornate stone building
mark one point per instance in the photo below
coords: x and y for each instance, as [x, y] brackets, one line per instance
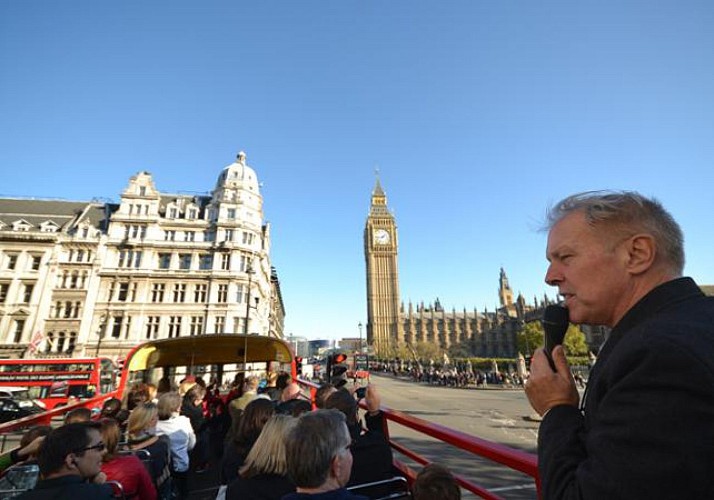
[389, 322]
[81, 278]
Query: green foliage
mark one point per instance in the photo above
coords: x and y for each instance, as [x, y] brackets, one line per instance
[530, 338]
[574, 342]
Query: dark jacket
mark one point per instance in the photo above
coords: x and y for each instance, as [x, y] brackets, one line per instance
[340, 494]
[371, 453]
[72, 487]
[646, 429]
[260, 487]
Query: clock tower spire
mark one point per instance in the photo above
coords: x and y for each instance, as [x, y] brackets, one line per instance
[384, 327]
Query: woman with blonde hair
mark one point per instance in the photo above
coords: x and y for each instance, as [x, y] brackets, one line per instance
[264, 476]
[141, 431]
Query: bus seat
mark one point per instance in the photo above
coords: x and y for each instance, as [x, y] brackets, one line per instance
[386, 489]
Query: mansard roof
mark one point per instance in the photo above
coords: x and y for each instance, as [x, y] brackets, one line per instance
[36, 212]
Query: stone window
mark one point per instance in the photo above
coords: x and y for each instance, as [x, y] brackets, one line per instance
[164, 261]
[196, 325]
[222, 293]
[179, 292]
[174, 326]
[199, 293]
[185, 261]
[157, 292]
[152, 327]
[205, 262]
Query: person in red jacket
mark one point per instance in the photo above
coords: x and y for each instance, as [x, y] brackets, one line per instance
[127, 470]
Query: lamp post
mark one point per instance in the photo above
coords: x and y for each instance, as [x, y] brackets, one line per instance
[250, 272]
[247, 302]
[359, 325]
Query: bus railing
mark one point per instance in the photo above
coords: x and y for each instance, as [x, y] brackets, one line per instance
[521, 461]
[45, 418]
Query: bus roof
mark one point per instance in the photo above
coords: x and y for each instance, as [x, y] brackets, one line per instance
[207, 350]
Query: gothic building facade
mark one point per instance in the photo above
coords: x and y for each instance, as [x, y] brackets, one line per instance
[389, 322]
[86, 278]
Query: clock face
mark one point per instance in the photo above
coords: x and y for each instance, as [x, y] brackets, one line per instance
[381, 237]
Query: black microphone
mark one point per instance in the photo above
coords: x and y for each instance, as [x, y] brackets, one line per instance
[555, 324]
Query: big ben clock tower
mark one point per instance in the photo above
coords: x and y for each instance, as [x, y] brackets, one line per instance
[380, 251]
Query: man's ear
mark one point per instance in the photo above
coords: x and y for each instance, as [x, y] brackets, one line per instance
[641, 253]
[70, 461]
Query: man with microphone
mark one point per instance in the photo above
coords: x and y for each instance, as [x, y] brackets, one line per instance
[645, 427]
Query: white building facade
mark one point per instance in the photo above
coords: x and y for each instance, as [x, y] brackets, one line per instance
[87, 278]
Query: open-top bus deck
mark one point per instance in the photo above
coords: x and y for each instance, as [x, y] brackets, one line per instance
[221, 355]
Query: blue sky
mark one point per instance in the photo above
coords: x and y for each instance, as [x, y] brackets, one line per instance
[478, 113]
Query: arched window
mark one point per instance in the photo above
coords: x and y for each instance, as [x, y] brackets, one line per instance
[60, 342]
[71, 342]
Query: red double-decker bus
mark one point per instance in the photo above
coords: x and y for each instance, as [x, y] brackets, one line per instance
[53, 381]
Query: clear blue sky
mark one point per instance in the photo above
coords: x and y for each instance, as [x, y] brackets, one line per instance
[478, 113]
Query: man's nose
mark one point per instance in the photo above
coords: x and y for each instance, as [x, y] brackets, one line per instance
[553, 276]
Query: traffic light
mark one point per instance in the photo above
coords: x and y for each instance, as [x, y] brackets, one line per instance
[338, 370]
[298, 366]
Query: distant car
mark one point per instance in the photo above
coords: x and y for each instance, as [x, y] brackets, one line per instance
[11, 409]
[18, 394]
[14, 392]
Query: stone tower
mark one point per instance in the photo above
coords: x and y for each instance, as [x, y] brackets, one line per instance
[505, 294]
[380, 249]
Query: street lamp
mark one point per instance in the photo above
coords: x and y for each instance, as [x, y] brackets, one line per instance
[248, 307]
[359, 325]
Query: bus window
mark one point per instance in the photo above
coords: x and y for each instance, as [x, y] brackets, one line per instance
[58, 390]
[78, 391]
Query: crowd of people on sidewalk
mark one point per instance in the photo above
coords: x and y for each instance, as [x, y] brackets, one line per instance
[267, 439]
[460, 374]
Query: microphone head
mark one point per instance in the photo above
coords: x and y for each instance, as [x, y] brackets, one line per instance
[555, 324]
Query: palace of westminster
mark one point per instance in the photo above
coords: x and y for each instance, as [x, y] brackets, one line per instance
[89, 278]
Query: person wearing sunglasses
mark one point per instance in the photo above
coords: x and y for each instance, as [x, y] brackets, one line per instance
[70, 461]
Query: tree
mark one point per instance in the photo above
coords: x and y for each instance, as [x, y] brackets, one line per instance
[530, 338]
[574, 342]
[427, 351]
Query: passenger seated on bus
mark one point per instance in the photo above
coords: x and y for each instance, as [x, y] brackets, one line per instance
[243, 435]
[435, 481]
[192, 407]
[180, 433]
[291, 391]
[250, 391]
[127, 470]
[138, 394]
[165, 385]
[271, 386]
[152, 391]
[319, 458]
[78, 415]
[141, 431]
[370, 449]
[323, 392]
[265, 472]
[236, 387]
[294, 407]
[70, 461]
[27, 451]
[282, 381]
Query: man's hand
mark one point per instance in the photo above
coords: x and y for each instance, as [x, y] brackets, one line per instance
[31, 449]
[372, 399]
[545, 388]
[100, 478]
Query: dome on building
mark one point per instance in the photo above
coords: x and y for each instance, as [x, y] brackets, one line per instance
[238, 175]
